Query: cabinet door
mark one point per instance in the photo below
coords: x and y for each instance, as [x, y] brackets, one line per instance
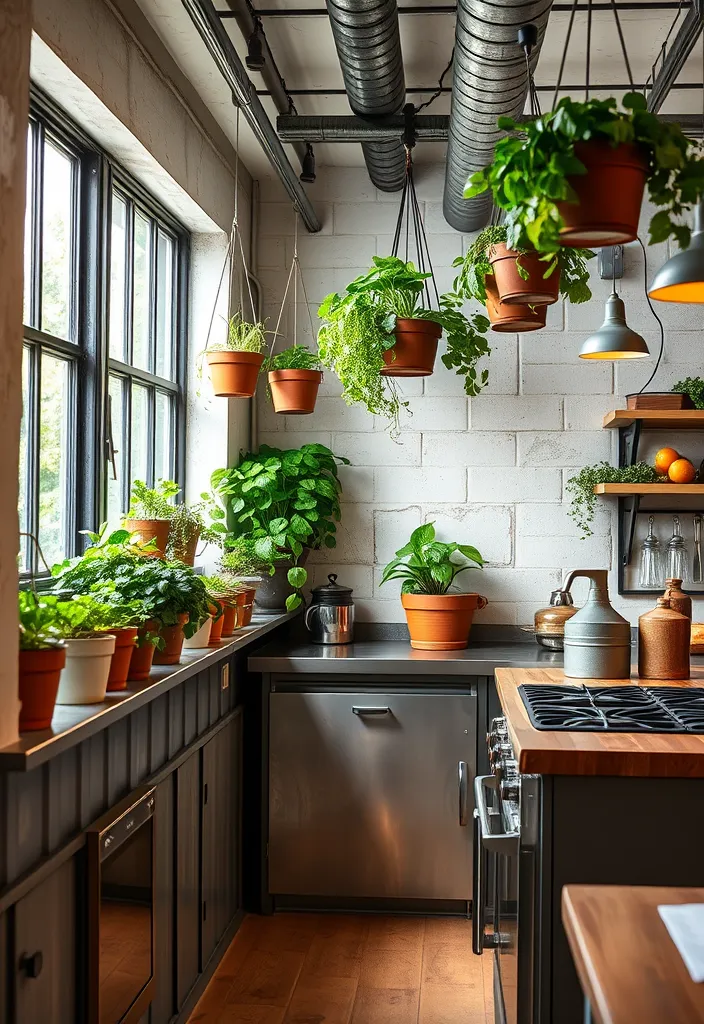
[370, 794]
[187, 881]
[221, 834]
[45, 951]
[162, 1008]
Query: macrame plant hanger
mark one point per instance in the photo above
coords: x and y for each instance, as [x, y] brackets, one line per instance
[295, 275]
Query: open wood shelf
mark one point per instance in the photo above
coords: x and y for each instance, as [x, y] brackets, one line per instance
[623, 490]
[657, 419]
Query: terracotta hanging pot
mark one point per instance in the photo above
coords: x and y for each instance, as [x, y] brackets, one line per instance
[186, 553]
[173, 642]
[125, 640]
[610, 195]
[40, 672]
[508, 318]
[143, 655]
[151, 529]
[414, 353]
[294, 392]
[440, 622]
[535, 290]
[234, 374]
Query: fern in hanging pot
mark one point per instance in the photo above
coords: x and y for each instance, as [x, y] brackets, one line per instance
[235, 363]
[294, 377]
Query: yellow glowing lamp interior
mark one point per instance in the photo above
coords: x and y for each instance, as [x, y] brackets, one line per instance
[686, 291]
[613, 355]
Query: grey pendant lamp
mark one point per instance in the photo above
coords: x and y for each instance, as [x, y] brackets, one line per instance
[614, 339]
[681, 279]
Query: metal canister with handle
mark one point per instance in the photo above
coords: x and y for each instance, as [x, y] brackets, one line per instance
[330, 615]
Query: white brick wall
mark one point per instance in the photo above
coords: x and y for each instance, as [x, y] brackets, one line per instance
[491, 470]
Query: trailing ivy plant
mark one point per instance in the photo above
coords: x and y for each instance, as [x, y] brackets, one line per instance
[532, 164]
[428, 566]
[476, 267]
[284, 501]
[581, 488]
[358, 328]
[692, 386]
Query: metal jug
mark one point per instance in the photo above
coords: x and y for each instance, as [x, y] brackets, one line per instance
[597, 638]
[330, 615]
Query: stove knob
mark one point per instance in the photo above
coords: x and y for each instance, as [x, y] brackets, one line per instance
[509, 787]
[499, 752]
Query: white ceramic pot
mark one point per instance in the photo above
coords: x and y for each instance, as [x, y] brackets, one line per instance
[201, 637]
[84, 680]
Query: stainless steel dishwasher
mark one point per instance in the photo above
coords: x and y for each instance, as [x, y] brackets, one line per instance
[371, 794]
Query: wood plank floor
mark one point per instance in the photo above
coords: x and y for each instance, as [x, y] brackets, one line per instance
[349, 969]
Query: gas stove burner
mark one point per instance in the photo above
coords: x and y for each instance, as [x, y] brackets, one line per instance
[667, 709]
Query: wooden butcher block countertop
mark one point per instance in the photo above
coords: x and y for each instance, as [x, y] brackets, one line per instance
[540, 752]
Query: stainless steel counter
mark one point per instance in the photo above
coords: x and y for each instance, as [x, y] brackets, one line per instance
[397, 657]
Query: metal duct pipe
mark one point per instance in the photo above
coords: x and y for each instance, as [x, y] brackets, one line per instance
[350, 128]
[368, 46]
[489, 79]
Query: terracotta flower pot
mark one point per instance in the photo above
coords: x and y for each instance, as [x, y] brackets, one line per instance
[512, 319]
[294, 391]
[216, 628]
[440, 622]
[234, 374]
[173, 640]
[125, 641]
[414, 353]
[186, 553]
[229, 619]
[143, 656]
[151, 529]
[610, 195]
[535, 290]
[40, 672]
[245, 606]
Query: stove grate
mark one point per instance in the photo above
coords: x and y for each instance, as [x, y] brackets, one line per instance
[633, 708]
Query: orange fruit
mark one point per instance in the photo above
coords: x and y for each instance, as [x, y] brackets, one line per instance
[681, 471]
[664, 459]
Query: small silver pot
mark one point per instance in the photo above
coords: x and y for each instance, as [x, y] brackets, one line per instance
[330, 615]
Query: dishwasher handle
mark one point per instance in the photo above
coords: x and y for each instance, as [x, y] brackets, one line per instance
[362, 711]
[503, 842]
[463, 786]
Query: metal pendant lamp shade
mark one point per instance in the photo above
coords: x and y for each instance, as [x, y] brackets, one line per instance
[681, 279]
[614, 339]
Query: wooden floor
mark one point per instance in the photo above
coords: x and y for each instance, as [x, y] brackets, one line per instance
[349, 969]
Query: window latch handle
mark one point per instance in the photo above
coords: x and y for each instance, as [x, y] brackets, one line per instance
[111, 450]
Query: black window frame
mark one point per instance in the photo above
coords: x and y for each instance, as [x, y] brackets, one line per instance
[88, 352]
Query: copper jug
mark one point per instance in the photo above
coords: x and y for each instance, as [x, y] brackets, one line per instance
[550, 621]
[680, 601]
[663, 643]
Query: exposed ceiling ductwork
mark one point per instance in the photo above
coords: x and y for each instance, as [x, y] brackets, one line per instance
[368, 43]
[489, 80]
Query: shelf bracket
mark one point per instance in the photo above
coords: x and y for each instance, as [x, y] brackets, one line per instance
[628, 441]
[628, 514]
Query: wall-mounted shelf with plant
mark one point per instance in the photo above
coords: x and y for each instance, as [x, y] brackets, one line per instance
[576, 175]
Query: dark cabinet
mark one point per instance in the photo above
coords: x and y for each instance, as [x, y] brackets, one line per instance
[45, 957]
[187, 875]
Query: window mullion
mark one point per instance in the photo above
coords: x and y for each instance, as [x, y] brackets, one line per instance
[37, 221]
[129, 281]
[151, 435]
[127, 439]
[153, 257]
[33, 436]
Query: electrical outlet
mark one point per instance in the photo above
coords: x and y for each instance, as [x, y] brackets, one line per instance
[225, 677]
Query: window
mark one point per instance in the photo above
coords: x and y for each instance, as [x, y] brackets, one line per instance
[104, 339]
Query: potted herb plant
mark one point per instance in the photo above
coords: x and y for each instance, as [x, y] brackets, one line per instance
[294, 378]
[89, 650]
[236, 362]
[242, 571]
[149, 515]
[437, 619]
[521, 276]
[380, 327]
[693, 388]
[575, 176]
[177, 527]
[286, 503]
[42, 658]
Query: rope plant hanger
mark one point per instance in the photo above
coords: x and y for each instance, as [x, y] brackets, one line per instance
[235, 362]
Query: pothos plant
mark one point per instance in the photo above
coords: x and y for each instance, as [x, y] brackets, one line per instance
[532, 164]
[476, 267]
[284, 501]
[358, 327]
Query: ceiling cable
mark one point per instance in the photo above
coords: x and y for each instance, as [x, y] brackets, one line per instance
[556, 94]
[440, 88]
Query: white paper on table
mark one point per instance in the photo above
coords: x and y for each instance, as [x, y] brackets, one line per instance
[685, 923]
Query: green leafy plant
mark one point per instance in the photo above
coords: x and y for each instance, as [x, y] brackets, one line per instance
[88, 615]
[240, 561]
[204, 518]
[532, 164]
[428, 566]
[581, 488]
[42, 622]
[692, 386]
[242, 336]
[152, 502]
[475, 267]
[283, 501]
[296, 357]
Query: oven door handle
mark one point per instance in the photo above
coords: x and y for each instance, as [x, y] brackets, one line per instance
[503, 842]
[478, 937]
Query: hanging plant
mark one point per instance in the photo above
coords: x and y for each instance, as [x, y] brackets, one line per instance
[521, 276]
[581, 488]
[575, 176]
[235, 363]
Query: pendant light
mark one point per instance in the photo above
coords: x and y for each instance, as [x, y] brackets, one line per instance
[681, 279]
[614, 339]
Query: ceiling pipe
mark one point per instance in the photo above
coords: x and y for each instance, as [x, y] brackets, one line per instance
[489, 80]
[220, 47]
[368, 43]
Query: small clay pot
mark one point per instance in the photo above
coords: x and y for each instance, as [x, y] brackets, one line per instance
[173, 640]
[234, 374]
[216, 628]
[151, 529]
[187, 553]
[40, 672]
[294, 392]
[142, 659]
[609, 195]
[229, 618]
[440, 622]
[506, 318]
[535, 290]
[125, 640]
[414, 353]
